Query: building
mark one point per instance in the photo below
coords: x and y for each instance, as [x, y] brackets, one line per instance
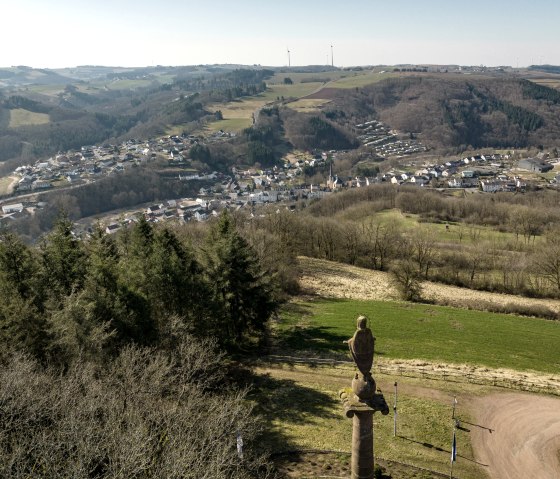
[534, 164]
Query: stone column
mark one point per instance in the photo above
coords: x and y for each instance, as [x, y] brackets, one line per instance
[361, 411]
[362, 445]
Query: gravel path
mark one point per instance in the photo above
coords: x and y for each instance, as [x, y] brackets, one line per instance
[517, 436]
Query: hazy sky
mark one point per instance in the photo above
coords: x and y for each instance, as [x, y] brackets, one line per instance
[64, 33]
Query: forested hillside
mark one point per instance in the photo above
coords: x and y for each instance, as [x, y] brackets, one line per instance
[459, 112]
[71, 115]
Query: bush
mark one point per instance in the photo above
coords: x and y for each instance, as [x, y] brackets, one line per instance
[407, 280]
[142, 415]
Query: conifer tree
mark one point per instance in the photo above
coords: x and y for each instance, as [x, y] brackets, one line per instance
[22, 325]
[63, 260]
[239, 286]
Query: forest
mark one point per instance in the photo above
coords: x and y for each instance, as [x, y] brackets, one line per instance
[117, 354]
[452, 113]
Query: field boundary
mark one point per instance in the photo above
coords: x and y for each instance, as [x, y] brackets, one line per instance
[468, 375]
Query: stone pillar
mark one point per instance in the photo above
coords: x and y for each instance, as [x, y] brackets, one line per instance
[362, 445]
[361, 411]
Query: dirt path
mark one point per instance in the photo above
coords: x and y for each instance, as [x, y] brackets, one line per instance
[517, 435]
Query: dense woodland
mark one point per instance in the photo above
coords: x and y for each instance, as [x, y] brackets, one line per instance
[112, 353]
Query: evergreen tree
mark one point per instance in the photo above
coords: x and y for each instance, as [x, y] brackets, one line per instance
[105, 314]
[239, 286]
[63, 260]
[22, 325]
[175, 285]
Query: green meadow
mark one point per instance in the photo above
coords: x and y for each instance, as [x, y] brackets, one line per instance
[422, 331]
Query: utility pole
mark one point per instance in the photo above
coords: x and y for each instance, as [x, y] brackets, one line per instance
[395, 412]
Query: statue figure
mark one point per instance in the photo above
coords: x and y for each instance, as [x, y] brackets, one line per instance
[361, 347]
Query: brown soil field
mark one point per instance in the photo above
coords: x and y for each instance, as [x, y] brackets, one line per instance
[337, 280]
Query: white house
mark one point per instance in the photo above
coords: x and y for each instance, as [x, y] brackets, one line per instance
[13, 208]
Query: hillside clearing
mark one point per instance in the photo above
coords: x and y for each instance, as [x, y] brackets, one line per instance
[336, 280]
[20, 117]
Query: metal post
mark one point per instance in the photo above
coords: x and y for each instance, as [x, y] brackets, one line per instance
[454, 404]
[453, 453]
[395, 412]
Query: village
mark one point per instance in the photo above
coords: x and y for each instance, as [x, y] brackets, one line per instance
[248, 188]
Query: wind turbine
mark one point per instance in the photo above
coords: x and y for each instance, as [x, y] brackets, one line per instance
[332, 57]
[289, 62]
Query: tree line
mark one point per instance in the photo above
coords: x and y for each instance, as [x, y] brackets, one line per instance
[502, 242]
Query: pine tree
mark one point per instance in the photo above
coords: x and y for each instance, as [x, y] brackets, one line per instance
[22, 323]
[239, 286]
[63, 260]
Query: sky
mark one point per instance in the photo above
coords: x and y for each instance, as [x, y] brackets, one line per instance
[67, 33]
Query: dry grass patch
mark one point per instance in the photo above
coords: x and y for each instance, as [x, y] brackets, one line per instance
[21, 117]
[336, 280]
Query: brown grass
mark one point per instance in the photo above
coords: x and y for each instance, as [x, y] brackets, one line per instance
[337, 280]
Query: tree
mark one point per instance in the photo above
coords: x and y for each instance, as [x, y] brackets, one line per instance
[63, 260]
[239, 286]
[288, 81]
[407, 279]
[546, 260]
[22, 325]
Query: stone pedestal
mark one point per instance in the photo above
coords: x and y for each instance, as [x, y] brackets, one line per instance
[361, 411]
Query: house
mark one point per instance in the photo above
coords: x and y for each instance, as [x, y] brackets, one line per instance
[40, 185]
[112, 228]
[155, 210]
[200, 216]
[73, 176]
[534, 164]
[490, 186]
[13, 208]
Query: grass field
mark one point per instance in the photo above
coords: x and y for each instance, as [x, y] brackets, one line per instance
[418, 331]
[5, 184]
[297, 90]
[359, 80]
[128, 84]
[307, 104]
[21, 117]
[304, 410]
[278, 78]
[457, 233]
[231, 124]
[239, 114]
[50, 90]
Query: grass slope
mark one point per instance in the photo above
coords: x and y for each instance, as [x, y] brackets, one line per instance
[305, 412]
[433, 333]
[21, 117]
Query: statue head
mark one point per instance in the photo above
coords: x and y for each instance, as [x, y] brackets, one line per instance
[362, 322]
